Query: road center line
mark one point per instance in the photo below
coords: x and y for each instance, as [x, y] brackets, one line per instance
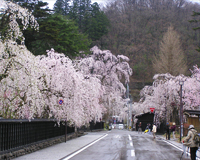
[131, 144]
[132, 153]
[130, 137]
[77, 152]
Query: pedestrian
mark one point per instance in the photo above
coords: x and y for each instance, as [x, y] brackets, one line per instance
[173, 129]
[167, 130]
[149, 128]
[146, 129]
[189, 141]
[140, 127]
[154, 129]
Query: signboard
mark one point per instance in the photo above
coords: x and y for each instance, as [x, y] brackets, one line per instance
[60, 102]
[152, 110]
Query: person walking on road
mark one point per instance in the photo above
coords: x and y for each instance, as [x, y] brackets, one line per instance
[149, 128]
[154, 129]
[173, 129]
[140, 127]
[168, 131]
[189, 141]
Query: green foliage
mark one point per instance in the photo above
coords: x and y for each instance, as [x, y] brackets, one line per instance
[59, 33]
[79, 12]
[55, 31]
[61, 7]
[89, 18]
[4, 20]
[198, 49]
[98, 23]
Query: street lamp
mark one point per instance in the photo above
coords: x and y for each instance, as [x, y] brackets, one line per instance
[181, 83]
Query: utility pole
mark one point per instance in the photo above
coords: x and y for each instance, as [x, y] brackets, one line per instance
[130, 104]
[127, 96]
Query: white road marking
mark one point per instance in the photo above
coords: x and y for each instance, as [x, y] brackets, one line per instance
[180, 149]
[77, 152]
[132, 153]
[130, 137]
[131, 144]
[174, 146]
[117, 136]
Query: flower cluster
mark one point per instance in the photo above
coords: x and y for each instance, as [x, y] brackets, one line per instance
[110, 70]
[164, 94]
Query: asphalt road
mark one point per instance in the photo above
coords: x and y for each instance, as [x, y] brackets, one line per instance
[126, 145]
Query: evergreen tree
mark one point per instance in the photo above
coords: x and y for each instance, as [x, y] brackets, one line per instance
[89, 18]
[74, 11]
[59, 33]
[98, 23]
[80, 9]
[40, 11]
[62, 7]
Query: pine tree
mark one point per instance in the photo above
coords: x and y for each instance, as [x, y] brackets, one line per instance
[98, 23]
[62, 34]
[62, 7]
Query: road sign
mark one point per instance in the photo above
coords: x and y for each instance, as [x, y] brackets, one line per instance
[60, 102]
[152, 109]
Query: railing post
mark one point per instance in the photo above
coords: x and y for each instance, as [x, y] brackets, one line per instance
[65, 131]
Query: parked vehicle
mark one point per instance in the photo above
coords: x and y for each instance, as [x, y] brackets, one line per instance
[121, 126]
[110, 126]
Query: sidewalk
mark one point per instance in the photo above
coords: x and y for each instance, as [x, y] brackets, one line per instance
[61, 150]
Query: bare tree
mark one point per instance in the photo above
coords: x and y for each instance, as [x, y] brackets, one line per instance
[171, 58]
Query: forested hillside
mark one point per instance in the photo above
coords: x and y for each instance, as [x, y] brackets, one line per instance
[137, 28]
[134, 28]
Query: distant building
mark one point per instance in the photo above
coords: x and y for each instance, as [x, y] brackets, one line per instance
[146, 118]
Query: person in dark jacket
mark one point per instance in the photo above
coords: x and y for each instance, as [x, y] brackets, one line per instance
[140, 127]
[189, 141]
[168, 131]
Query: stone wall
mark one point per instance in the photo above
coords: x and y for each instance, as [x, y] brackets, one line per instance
[37, 146]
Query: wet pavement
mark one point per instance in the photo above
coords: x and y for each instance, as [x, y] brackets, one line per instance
[112, 145]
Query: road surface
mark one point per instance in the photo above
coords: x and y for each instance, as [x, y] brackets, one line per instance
[125, 145]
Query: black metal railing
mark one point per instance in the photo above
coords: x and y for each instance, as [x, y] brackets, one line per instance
[17, 133]
[97, 125]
